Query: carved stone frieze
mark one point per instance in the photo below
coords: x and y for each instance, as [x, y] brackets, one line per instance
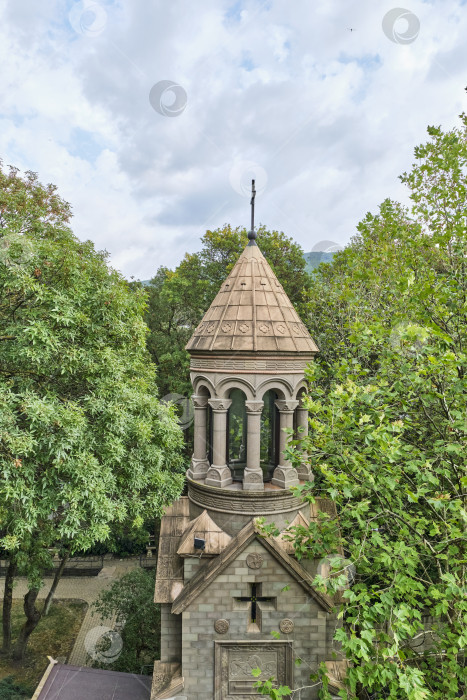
[250, 364]
[234, 662]
[242, 502]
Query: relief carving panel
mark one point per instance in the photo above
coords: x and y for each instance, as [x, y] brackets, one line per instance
[234, 662]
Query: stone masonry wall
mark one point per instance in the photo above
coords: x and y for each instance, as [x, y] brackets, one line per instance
[171, 635]
[309, 636]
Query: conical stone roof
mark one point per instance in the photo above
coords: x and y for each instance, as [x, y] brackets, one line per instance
[252, 313]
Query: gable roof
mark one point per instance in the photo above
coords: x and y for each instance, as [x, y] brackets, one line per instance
[283, 540]
[205, 528]
[252, 313]
[209, 573]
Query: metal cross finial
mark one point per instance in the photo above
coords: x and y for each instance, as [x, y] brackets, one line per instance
[252, 232]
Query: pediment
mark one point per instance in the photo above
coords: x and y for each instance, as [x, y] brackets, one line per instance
[216, 566]
[205, 528]
[283, 538]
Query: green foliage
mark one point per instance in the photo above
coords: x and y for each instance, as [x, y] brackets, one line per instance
[84, 441]
[388, 433]
[124, 540]
[10, 690]
[269, 688]
[131, 600]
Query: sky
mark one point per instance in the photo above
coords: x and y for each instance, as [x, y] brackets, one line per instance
[153, 116]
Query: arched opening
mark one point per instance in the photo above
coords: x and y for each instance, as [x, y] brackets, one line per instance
[237, 434]
[269, 443]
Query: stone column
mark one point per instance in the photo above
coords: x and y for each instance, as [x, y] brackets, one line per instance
[199, 463]
[253, 474]
[304, 471]
[284, 474]
[218, 473]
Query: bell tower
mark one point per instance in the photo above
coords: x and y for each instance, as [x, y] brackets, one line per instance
[248, 357]
[223, 586]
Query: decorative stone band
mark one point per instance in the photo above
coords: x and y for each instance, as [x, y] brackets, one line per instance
[248, 365]
[242, 502]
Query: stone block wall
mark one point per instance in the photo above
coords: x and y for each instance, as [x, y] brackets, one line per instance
[310, 638]
[171, 635]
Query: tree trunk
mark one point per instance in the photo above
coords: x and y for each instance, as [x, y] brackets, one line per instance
[53, 588]
[361, 692]
[32, 618]
[7, 603]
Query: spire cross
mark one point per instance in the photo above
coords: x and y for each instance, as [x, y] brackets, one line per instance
[252, 233]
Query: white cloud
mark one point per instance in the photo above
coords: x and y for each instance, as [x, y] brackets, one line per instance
[331, 115]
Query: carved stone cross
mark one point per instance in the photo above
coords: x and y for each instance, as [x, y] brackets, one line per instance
[257, 603]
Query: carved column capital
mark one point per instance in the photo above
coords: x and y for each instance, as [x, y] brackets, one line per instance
[254, 406]
[221, 405]
[286, 406]
[199, 401]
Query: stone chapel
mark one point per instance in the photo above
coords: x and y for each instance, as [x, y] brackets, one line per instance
[222, 586]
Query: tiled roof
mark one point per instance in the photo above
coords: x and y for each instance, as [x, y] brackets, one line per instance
[71, 682]
[252, 313]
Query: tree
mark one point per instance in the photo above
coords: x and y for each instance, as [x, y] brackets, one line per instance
[84, 441]
[10, 690]
[179, 299]
[130, 601]
[388, 433]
